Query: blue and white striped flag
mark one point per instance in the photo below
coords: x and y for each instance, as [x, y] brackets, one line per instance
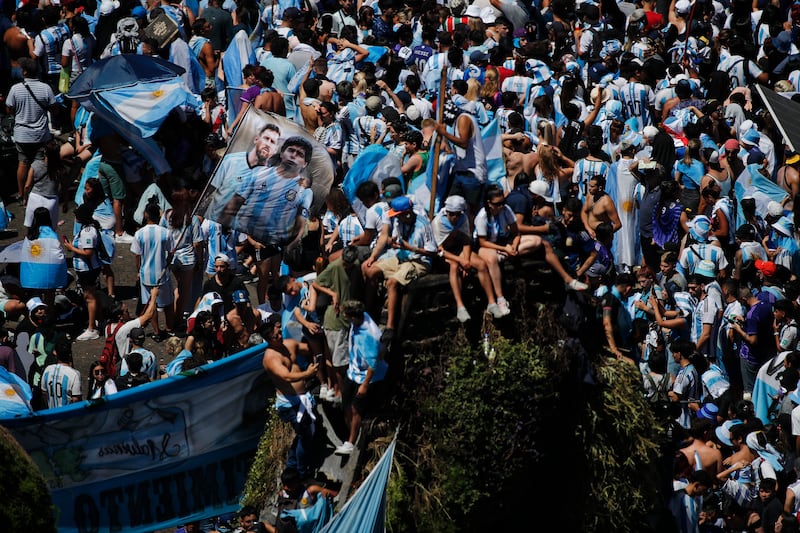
[493, 148]
[43, 264]
[15, 395]
[752, 183]
[147, 105]
[374, 163]
[420, 187]
[238, 54]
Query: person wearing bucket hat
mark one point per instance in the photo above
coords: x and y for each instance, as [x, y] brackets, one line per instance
[698, 248]
[723, 431]
[785, 226]
[782, 241]
[709, 411]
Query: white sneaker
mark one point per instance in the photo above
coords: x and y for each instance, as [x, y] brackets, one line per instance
[576, 285]
[504, 309]
[323, 392]
[331, 396]
[345, 449]
[88, 335]
[462, 314]
[494, 310]
[125, 238]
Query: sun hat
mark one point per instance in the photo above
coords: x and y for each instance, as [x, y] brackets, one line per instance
[723, 431]
[784, 225]
[473, 11]
[540, 188]
[606, 94]
[699, 227]
[455, 204]
[709, 411]
[34, 303]
[488, 15]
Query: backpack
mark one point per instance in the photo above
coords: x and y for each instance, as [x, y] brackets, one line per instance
[7, 147]
[129, 381]
[563, 39]
[110, 357]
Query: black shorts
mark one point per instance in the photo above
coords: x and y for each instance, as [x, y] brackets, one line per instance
[268, 252]
[362, 404]
[89, 278]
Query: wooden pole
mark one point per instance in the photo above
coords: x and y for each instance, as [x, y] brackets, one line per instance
[437, 148]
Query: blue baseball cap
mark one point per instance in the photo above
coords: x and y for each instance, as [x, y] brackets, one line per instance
[400, 205]
[240, 297]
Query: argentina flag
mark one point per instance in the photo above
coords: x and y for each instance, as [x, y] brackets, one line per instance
[15, 395]
[752, 183]
[493, 148]
[147, 105]
[373, 164]
[238, 54]
[42, 262]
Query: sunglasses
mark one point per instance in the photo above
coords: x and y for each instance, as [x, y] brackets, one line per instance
[99, 372]
[497, 204]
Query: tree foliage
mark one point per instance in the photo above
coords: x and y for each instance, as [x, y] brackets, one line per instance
[27, 505]
[494, 438]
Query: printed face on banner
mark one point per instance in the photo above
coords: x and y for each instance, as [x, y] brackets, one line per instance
[273, 176]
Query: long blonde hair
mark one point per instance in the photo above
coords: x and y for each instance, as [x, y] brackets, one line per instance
[359, 83]
[473, 90]
[490, 86]
[548, 161]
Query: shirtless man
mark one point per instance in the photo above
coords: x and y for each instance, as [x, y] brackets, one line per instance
[292, 401]
[599, 207]
[788, 177]
[18, 44]
[698, 450]
[517, 162]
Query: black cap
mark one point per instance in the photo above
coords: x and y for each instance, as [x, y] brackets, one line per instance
[137, 335]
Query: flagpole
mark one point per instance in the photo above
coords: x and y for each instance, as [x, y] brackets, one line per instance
[437, 148]
[196, 207]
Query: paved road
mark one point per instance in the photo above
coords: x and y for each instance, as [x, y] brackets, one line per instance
[85, 352]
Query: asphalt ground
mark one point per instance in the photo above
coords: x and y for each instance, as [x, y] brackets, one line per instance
[125, 273]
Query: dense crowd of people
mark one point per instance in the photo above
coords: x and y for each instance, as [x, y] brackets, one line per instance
[640, 164]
